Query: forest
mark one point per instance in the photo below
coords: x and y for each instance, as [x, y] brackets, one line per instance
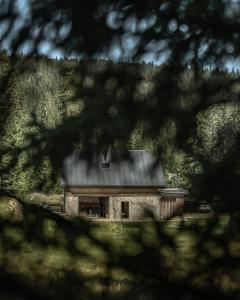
[183, 107]
[38, 92]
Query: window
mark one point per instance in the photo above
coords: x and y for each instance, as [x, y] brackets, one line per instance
[105, 165]
[125, 210]
[93, 206]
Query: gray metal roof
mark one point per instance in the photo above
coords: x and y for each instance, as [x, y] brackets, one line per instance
[140, 170]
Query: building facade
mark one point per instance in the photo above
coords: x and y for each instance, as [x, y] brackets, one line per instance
[119, 189]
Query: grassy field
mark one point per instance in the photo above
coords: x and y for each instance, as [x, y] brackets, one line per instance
[43, 255]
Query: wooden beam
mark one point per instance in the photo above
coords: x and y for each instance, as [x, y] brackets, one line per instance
[106, 191]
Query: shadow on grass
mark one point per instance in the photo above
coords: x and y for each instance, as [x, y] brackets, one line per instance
[44, 256]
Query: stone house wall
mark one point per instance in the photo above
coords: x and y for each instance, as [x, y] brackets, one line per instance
[71, 204]
[139, 206]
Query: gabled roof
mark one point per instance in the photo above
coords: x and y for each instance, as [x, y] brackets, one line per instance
[139, 170]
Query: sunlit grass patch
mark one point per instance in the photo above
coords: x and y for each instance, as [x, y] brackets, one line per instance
[53, 254]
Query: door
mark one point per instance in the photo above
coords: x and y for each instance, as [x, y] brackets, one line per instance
[125, 209]
[103, 207]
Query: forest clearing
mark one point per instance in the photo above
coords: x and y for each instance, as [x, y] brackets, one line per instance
[113, 113]
[45, 250]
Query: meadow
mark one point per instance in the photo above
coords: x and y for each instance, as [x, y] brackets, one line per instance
[44, 256]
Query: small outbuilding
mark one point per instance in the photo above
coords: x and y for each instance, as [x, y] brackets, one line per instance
[119, 189]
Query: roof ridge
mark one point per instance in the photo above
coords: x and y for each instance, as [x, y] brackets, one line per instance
[137, 150]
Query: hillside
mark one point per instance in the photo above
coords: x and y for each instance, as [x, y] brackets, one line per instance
[41, 99]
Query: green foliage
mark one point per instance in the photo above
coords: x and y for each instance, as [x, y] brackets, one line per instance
[5, 64]
[36, 91]
[45, 90]
[218, 128]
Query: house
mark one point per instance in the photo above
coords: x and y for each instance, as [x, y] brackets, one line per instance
[119, 189]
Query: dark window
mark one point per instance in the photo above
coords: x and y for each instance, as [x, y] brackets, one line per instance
[105, 165]
[125, 210]
[93, 206]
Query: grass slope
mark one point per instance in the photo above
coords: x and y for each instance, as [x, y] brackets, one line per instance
[43, 256]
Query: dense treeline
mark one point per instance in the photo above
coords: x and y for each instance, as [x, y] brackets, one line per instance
[38, 90]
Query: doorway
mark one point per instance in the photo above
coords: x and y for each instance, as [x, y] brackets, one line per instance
[125, 209]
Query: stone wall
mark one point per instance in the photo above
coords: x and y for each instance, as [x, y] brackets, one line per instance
[138, 207]
[71, 204]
